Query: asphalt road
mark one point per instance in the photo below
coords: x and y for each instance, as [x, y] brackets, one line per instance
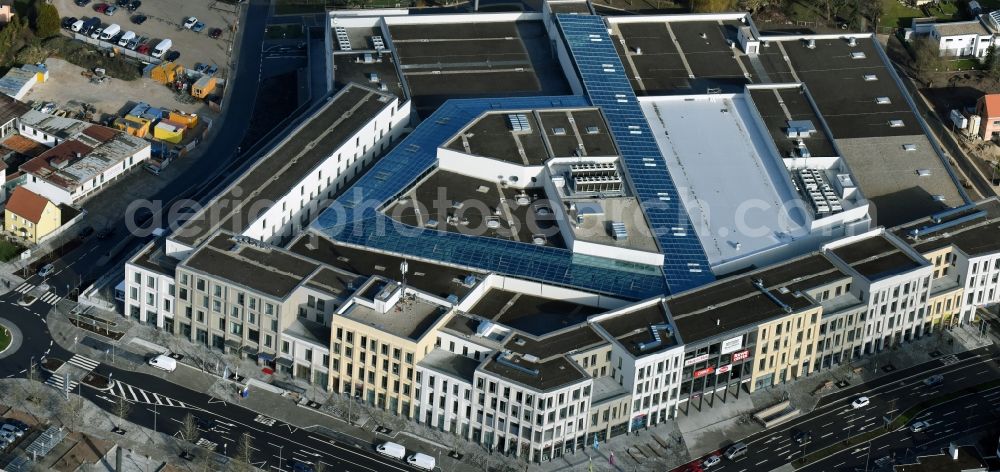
[834, 419]
[275, 444]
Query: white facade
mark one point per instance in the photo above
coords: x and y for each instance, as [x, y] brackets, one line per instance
[149, 295]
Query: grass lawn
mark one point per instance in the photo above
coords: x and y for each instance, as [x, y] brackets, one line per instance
[287, 31]
[9, 251]
[4, 338]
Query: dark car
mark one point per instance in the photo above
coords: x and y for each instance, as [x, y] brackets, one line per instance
[68, 21]
[101, 7]
[172, 55]
[122, 3]
[105, 232]
[802, 437]
[299, 466]
[82, 3]
[18, 423]
[215, 33]
[204, 423]
[86, 232]
[138, 19]
[134, 5]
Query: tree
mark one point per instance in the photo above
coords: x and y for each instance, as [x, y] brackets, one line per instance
[244, 454]
[72, 412]
[122, 409]
[754, 6]
[189, 429]
[47, 20]
[927, 57]
[991, 63]
[872, 11]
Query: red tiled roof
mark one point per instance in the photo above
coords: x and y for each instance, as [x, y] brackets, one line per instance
[991, 105]
[27, 204]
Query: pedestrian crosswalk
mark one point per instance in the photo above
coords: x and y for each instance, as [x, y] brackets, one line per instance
[84, 363]
[57, 381]
[138, 395]
[202, 442]
[47, 297]
[265, 420]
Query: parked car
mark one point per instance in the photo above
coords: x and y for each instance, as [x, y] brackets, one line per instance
[172, 55]
[391, 449]
[8, 436]
[190, 21]
[215, 33]
[711, 461]
[141, 49]
[68, 21]
[299, 466]
[110, 10]
[736, 451]
[860, 402]
[122, 3]
[9, 428]
[206, 424]
[96, 33]
[919, 426]
[199, 67]
[198, 27]
[933, 380]
[134, 43]
[138, 19]
[134, 5]
[211, 70]
[46, 270]
[82, 3]
[101, 7]
[18, 423]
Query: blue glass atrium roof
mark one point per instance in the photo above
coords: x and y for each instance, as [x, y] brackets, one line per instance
[685, 263]
[355, 218]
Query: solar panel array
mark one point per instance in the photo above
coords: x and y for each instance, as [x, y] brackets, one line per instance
[685, 263]
[354, 218]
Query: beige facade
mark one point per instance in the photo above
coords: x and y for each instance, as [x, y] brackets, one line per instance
[784, 350]
[378, 367]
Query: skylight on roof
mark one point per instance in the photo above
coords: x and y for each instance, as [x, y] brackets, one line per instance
[882, 100]
[871, 77]
[896, 123]
[858, 55]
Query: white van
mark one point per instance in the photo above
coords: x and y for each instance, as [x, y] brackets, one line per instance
[161, 48]
[110, 31]
[128, 36]
[391, 449]
[77, 26]
[163, 362]
[422, 461]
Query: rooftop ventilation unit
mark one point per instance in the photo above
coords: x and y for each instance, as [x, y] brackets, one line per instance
[909, 147]
[657, 339]
[871, 77]
[800, 129]
[924, 172]
[882, 100]
[559, 131]
[619, 231]
[811, 43]
[377, 43]
[896, 123]
[518, 122]
[852, 41]
[592, 130]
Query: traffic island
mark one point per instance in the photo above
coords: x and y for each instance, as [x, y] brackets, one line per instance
[5, 338]
[99, 382]
[51, 364]
[94, 328]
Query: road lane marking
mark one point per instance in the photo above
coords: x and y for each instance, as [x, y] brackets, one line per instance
[826, 435]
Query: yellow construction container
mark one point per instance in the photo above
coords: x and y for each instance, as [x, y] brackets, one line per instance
[169, 131]
[134, 125]
[189, 120]
[204, 86]
[166, 72]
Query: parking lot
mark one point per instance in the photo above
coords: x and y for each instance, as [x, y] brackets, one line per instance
[164, 19]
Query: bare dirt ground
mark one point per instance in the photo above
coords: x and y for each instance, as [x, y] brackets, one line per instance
[165, 18]
[67, 88]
